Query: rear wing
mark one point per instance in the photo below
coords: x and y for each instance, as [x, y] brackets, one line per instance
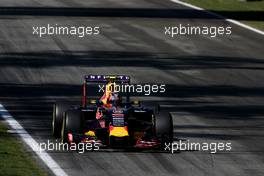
[123, 79]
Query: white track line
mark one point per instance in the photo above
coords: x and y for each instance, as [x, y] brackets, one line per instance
[43, 155]
[229, 20]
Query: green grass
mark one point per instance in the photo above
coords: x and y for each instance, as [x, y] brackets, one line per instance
[256, 24]
[232, 5]
[13, 158]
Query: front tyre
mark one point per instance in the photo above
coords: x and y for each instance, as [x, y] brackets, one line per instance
[58, 111]
[163, 125]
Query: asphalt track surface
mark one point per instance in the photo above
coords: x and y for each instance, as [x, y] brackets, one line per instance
[215, 87]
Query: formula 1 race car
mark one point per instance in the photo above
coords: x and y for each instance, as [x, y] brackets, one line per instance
[110, 120]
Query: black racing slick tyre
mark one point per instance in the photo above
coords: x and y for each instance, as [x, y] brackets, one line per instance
[58, 111]
[72, 123]
[164, 128]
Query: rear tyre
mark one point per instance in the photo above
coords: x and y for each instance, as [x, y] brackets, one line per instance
[72, 123]
[164, 128]
[58, 111]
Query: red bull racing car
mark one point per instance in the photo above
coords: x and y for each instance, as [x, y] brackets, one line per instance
[111, 120]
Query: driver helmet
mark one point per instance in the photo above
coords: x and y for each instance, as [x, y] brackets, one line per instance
[115, 99]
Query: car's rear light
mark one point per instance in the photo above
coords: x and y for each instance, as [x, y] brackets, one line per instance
[70, 137]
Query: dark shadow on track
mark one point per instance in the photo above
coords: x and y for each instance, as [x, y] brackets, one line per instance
[128, 12]
[123, 58]
[104, 12]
